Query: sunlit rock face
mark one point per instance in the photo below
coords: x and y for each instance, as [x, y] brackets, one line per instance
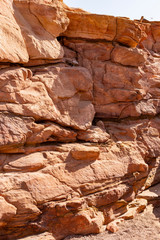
[79, 119]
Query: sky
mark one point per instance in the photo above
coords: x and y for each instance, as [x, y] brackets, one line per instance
[133, 9]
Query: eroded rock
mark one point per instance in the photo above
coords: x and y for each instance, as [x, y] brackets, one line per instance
[79, 134]
[90, 26]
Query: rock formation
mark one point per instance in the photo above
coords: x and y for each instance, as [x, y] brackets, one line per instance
[79, 119]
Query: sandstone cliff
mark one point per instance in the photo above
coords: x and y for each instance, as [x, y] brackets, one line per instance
[79, 119]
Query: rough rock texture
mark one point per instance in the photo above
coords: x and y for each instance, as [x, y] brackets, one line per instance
[144, 225]
[79, 119]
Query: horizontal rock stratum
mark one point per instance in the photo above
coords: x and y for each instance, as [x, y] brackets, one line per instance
[79, 119]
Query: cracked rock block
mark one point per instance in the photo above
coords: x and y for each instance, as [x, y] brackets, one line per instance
[56, 93]
[84, 221]
[90, 26]
[70, 89]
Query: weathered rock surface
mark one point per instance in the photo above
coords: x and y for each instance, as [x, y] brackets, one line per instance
[12, 47]
[128, 56]
[34, 19]
[52, 93]
[91, 26]
[29, 30]
[79, 119]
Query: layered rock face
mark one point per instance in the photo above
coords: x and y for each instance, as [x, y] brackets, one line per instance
[79, 119]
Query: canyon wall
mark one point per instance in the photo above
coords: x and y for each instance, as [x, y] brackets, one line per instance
[79, 119]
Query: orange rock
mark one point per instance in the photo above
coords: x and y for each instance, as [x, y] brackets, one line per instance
[113, 211]
[152, 193]
[7, 211]
[156, 36]
[85, 221]
[135, 207]
[112, 227]
[155, 31]
[17, 85]
[25, 205]
[21, 163]
[45, 97]
[69, 88]
[40, 187]
[90, 26]
[106, 197]
[50, 132]
[40, 43]
[12, 47]
[89, 50]
[128, 56]
[116, 89]
[51, 15]
[129, 32]
[13, 131]
[94, 134]
[81, 152]
[79, 134]
[33, 33]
